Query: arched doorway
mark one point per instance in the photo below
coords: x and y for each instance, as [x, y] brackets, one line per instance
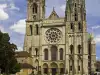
[54, 68]
[45, 68]
[62, 69]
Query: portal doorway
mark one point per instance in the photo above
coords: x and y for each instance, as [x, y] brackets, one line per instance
[54, 68]
[54, 71]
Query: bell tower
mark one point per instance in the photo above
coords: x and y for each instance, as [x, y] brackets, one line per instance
[76, 36]
[32, 42]
[76, 12]
[35, 10]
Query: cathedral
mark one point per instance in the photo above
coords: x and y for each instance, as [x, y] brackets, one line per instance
[59, 46]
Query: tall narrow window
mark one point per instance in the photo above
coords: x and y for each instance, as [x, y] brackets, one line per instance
[36, 49]
[71, 64]
[35, 8]
[78, 68]
[79, 64]
[75, 5]
[71, 49]
[53, 53]
[76, 17]
[70, 68]
[37, 30]
[61, 53]
[46, 54]
[72, 26]
[79, 26]
[31, 29]
[79, 49]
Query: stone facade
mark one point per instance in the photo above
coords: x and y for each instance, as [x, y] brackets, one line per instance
[59, 45]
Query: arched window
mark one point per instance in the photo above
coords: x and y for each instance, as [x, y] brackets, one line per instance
[37, 29]
[45, 54]
[31, 29]
[36, 50]
[71, 49]
[53, 53]
[61, 53]
[79, 26]
[79, 49]
[35, 8]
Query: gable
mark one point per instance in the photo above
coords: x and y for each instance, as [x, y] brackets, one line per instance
[53, 15]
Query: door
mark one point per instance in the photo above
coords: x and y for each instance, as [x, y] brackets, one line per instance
[54, 71]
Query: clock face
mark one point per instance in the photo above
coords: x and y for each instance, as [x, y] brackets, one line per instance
[53, 35]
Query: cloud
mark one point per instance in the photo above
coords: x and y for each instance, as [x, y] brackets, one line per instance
[63, 7]
[2, 6]
[96, 27]
[3, 14]
[19, 49]
[98, 58]
[97, 39]
[13, 7]
[19, 27]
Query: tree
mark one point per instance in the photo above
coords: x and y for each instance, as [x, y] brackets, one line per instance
[8, 62]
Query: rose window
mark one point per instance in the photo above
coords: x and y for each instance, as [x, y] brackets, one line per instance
[53, 35]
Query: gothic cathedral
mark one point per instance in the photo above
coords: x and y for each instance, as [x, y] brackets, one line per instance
[59, 46]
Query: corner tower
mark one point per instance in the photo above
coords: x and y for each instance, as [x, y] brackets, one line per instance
[32, 42]
[76, 38]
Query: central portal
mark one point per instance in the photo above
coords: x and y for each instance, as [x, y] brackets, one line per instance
[54, 68]
[54, 71]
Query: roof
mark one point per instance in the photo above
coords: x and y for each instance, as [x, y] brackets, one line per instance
[53, 15]
[22, 54]
[26, 66]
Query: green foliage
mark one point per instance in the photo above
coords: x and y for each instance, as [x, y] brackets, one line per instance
[8, 62]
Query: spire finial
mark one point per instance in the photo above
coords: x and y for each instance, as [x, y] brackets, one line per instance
[53, 8]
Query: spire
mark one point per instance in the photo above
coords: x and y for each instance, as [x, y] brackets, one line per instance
[53, 8]
[75, 8]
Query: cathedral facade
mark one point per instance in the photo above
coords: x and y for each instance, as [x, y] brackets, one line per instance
[59, 46]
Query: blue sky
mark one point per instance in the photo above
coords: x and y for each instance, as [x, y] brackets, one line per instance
[13, 15]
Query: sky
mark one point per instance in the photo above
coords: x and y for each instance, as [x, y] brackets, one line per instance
[13, 16]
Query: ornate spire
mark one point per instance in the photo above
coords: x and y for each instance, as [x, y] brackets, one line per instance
[75, 7]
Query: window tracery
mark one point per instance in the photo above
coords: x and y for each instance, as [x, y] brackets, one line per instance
[53, 35]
